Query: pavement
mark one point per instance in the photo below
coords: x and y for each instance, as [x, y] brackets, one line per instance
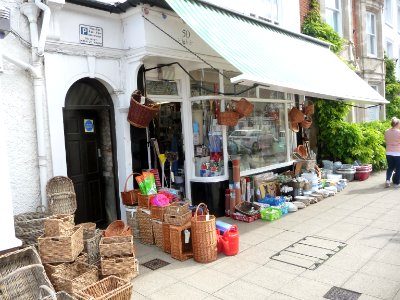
[365, 216]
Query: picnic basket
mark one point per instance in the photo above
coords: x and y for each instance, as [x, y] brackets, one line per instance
[61, 196]
[204, 236]
[130, 197]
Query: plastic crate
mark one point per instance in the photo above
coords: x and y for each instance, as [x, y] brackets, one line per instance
[270, 213]
[272, 201]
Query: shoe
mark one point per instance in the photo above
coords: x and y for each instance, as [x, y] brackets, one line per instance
[396, 186]
[387, 184]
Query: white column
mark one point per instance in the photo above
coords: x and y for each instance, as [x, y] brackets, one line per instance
[7, 237]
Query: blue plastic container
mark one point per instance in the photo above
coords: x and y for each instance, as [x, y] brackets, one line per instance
[222, 226]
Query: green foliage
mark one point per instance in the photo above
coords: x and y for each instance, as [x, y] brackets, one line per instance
[392, 90]
[328, 111]
[314, 26]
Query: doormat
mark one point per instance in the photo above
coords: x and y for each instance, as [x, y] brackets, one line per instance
[310, 252]
[155, 264]
[337, 293]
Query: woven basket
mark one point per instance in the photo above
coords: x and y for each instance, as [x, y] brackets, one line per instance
[88, 229]
[141, 115]
[75, 277]
[306, 123]
[91, 246]
[55, 296]
[131, 275]
[204, 236]
[117, 265]
[118, 228]
[145, 227]
[177, 208]
[61, 196]
[144, 200]
[82, 257]
[132, 221]
[109, 288]
[158, 234]
[309, 108]
[116, 246]
[157, 212]
[295, 115]
[244, 107]
[61, 249]
[24, 283]
[58, 225]
[228, 118]
[179, 249]
[177, 220]
[166, 238]
[130, 197]
[29, 226]
[12, 261]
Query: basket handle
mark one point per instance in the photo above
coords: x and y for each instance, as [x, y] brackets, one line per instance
[48, 290]
[197, 208]
[126, 181]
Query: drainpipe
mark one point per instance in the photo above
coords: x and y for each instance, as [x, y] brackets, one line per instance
[45, 26]
[30, 10]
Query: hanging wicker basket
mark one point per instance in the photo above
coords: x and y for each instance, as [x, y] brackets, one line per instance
[130, 198]
[244, 107]
[140, 115]
[228, 118]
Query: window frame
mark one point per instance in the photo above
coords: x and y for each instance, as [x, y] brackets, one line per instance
[338, 11]
[373, 47]
[389, 55]
[388, 12]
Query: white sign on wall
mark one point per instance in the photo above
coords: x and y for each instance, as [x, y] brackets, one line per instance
[90, 35]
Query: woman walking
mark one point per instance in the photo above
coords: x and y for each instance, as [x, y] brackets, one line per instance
[392, 139]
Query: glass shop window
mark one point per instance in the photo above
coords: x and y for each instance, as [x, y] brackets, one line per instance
[237, 89]
[259, 139]
[207, 139]
[204, 82]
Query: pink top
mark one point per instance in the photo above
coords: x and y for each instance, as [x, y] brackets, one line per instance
[392, 138]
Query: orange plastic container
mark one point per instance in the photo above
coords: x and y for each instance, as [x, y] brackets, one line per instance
[229, 241]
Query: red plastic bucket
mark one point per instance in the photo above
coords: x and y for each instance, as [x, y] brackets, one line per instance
[230, 241]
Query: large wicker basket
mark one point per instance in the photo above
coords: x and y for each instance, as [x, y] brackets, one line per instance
[130, 197]
[244, 107]
[145, 227]
[75, 277]
[61, 196]
[109, 288]
[118, 265]
[177, 208]
[61, 249]
[157, 212]
[116, 246]
[144, 200]
[228, 118]
[141, 115]
[204, 236]
[59, 225]
[132, 221]
[12, 261]
[158, 233]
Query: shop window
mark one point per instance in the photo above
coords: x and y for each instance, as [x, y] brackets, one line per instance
[333, 15]
[237, 89]
[204, 82]
[371, 34]
[388, 12]
[259, 139]
[207, 139]
[158, 87]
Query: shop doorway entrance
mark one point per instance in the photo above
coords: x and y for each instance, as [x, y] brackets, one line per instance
[90, 151]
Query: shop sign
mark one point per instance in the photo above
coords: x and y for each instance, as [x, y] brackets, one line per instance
[90, 35]
[89, 125]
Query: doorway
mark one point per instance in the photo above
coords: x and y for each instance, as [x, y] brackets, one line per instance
[89, 131]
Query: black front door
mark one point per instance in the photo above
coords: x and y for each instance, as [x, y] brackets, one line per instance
[81, 129]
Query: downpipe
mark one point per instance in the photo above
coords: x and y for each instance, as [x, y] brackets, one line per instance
[45, 26]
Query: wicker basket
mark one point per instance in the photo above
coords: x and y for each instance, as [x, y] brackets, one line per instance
[61, 196]
[29, 226]
[118, 228]
[166, 238]
[228, 118]
[132, 221]
[61, 249]
[58, 225]
[109, 288]
[141, 115]
[309, 108]
[157, 212]
[177, 208]
[116, 246]
[117, 265]
[145, 227]
[75, 277]
[144, 200]
[12, 261]
[130, 198]
[54, 296]
[158, 234]
[177, 220]
[91, 246]
[24, 283]
[204, 236]
[295, 115]
[306, 123]
[131, 275]
[244, 107]
[88, 229]
[179, 249]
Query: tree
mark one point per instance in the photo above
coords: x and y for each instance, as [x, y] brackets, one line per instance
[392, 90]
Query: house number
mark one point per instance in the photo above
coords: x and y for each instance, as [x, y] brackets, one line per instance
[185, 38]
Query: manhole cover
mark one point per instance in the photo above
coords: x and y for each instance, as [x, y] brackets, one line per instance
[310, 252]
[336, 293]
[155, 264]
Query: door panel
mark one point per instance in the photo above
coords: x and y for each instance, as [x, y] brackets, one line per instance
[84, 164]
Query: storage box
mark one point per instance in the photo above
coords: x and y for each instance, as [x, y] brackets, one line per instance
[110, 288]
[244, 218]
[118, 265]
[116, 246]
[270, 214]
[157, 212]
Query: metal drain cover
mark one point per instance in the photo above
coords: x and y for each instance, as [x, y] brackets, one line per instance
[310, 252]
[337, 293]
[155, 264]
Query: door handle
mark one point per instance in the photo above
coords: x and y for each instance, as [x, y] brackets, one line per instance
[98, 152]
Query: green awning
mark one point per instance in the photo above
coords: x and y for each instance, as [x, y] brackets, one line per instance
[268, 55]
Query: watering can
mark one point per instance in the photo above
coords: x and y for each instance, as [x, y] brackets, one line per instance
[229, 241]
